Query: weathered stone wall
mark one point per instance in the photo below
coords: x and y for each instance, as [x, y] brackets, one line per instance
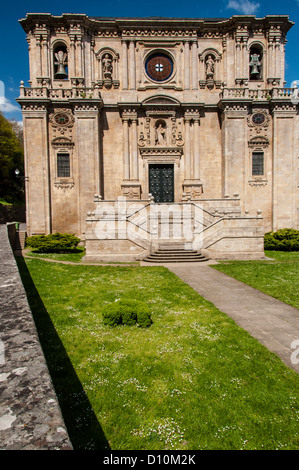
[30, 417]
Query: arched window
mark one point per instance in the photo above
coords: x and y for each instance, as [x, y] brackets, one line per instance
[60, 57]
[256, 62]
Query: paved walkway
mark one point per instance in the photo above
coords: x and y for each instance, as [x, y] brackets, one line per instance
[274, 323]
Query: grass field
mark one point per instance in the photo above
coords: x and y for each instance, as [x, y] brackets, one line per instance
[193, 380]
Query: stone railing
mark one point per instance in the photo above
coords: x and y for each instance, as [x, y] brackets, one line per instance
[130, 230]
[257, 94]
[60, 93]
[283, 93]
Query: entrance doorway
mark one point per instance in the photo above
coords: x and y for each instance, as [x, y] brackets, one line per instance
[161, 182]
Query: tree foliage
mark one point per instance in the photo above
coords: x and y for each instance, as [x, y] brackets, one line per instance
[11, 157]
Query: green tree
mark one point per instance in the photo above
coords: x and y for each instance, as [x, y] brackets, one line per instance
[11, 157]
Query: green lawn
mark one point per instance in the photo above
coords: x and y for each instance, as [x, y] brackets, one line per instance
[193, 380]
[278, 277]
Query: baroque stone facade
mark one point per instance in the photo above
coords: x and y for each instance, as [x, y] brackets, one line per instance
[160, 111]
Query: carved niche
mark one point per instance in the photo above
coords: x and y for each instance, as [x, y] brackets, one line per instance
[161, 125]
[210, 60]
[107, 68]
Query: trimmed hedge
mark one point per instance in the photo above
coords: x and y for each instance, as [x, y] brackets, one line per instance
[127, 312]
[53, 243]
[286, 239]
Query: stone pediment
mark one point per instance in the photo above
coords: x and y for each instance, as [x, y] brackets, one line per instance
[160, 101]
[258, 141]
[62, 142]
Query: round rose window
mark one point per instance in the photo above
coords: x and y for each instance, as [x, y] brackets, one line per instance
[159, 67]
[258, 118]
[61, 119]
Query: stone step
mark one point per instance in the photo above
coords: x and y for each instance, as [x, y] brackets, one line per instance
[175, 256]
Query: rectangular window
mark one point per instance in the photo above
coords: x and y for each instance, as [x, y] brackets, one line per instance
[257, 163]
[63, 165]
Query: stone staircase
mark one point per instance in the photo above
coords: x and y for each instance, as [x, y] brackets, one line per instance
[175, 255]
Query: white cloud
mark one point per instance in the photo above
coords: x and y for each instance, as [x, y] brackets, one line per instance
[245, 7]
[6, 106]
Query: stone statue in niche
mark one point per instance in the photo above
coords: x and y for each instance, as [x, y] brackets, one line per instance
[210, 67]
[107, 66]
[160, 138]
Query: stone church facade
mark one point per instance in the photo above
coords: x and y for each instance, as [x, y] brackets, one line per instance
[129, 122]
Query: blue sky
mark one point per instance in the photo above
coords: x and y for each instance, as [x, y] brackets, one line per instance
[14, 49]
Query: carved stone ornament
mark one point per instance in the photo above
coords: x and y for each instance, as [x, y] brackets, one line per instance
[258, 118]
[64, 183]
[258, 182]
[62, 118]
[258, 142]
[62, 142]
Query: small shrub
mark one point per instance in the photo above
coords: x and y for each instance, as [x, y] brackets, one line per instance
[144, 319]
[127, 312]
[286, 239]
[112, 316]
[129, 315]
[53, 243]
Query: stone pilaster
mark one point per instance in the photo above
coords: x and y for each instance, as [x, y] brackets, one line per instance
[126, 152]
[187, 65]
[132, 66]
[187, 149]
[124, 65]
[192, 185]
[131, 187]
[285, 165]
[194, 66]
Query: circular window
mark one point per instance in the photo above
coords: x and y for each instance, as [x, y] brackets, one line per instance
[159, 67]
[61, 119]
[258, 118]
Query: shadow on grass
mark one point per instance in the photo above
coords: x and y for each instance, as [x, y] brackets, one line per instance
[82, 425]
[66, 251]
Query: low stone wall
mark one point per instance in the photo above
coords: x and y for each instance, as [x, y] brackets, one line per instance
[30, 416]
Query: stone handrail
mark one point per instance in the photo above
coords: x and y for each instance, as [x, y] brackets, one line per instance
[144, 223]
[257, 94]
[60, 93]
[284, 93]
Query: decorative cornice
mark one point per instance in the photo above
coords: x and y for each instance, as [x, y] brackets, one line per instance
[188, 28]
[148, 152]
